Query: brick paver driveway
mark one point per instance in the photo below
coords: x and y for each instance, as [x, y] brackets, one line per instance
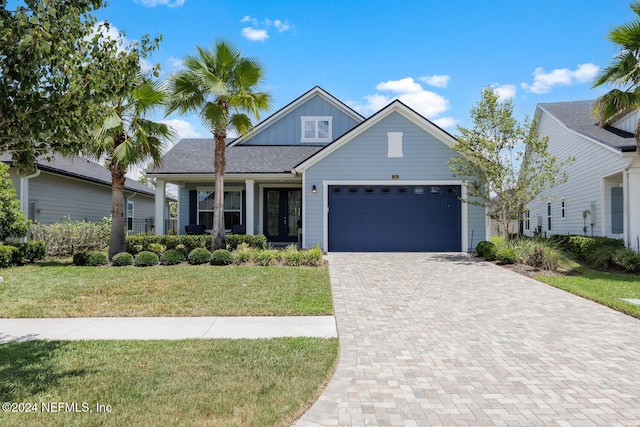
[444, 339]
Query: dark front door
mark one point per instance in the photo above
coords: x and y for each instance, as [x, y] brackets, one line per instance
[282, 214]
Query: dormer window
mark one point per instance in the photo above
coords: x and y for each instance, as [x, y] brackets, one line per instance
[316, 128]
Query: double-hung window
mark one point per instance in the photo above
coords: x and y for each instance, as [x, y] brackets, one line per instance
[549, 216]
[316, 128]
[527, 220]
[232, 208]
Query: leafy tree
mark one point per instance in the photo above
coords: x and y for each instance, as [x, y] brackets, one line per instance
[127, 137]
[53, 78]
[623, 74]
[13, 223]
[221, 86]
[502, 177]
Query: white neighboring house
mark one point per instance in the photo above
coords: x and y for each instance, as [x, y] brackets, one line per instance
[602, 194]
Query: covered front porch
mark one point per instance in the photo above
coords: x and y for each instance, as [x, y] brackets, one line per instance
[269, 205]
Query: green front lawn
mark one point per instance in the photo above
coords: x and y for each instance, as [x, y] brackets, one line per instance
[171, 383]
[605, 288]
[44, 290]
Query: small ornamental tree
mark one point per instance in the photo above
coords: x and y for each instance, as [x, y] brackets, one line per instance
[13, 223]
[502, 176]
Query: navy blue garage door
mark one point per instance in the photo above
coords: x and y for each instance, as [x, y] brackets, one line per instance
[381, 218]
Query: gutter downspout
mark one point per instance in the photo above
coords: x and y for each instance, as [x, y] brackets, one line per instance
[24, 195]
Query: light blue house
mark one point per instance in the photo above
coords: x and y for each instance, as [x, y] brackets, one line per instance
[318, 173]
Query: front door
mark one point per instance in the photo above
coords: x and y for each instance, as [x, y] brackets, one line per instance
[282, 214]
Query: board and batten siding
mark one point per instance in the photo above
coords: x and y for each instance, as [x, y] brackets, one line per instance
[364, 158]
[288, 130]
[583, 190]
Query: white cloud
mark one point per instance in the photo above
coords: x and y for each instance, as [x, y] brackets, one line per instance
[249, 19]
[543, 81]
[254, 34]
[182, 128]
[436, 80]
[175, 63]
[154, 3]
[407, 90]
[506, 91]
[281, 26]
[258, 31]
[446, 122]
[406, 85]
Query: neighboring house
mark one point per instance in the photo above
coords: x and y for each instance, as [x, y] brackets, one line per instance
[602, 194]
[80, 189]
[318, 173]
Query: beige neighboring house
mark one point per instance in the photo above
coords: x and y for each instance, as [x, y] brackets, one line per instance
[80, 189]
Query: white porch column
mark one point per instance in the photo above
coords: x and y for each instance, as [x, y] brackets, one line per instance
[160, 202]
[633, 200]
[250, 208]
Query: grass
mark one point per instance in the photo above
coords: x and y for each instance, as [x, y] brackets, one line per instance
[605, 288]
[177, 383]
[54, 290]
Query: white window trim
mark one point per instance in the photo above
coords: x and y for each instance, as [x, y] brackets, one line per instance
[527, 220]
[563, 209]
[133, 211]
[226, 190]
[549, 216]
[316, 119]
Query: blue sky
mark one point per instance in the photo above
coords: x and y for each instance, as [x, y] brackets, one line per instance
[435, 56]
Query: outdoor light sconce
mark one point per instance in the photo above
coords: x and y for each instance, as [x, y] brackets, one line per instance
[314, 190]
[395, 177]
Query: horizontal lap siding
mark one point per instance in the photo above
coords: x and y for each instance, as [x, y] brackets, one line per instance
[593, 161]
[365, 158]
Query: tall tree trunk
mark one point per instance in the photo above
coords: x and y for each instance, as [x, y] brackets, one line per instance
[117, 238]
[218, 240]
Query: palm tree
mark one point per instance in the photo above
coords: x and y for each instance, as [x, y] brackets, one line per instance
[221, 86]
[126, 139]
[623, 74]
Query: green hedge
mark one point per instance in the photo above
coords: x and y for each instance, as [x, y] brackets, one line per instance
[136, 244]
[258, 241]
[486, 250]
[68, 237]
[584, 246]
[8, 255]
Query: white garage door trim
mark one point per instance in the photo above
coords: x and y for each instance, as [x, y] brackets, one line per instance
[464, 244]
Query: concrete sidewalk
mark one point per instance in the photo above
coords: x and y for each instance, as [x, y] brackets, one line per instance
[166, 328]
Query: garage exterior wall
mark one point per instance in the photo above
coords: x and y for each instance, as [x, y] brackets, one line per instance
[364, 160]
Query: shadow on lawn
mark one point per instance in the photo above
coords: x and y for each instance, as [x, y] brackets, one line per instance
[29, 367]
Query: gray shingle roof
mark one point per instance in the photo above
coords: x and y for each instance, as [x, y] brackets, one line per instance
[577, 116]
[196, 156]
[79, 167]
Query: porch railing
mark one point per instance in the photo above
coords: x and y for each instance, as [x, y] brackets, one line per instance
[147, 226]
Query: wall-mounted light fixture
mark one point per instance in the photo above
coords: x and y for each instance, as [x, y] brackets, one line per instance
[395, 177]
[314, 190]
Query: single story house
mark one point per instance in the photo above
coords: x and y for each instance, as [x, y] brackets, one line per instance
[80, 189]
[602, 194]
[318, 173]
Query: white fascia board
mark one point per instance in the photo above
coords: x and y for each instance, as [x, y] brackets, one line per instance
[173, 178]
[292, 106]
[395, 106]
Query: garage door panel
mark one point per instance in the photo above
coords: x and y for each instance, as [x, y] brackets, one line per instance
[394, 218]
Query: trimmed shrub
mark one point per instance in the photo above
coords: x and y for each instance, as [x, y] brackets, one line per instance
[584, 246]
[486, 250]
[157, 248]
[258, 241]
[141, 243]
[146, 259]
[122, 259]
[97, 259]
[67, 237]
[172, 257]
[221, 257]
[627, 259]
[7, 255]
[199, 256]
[506, 255]
[243, 254]
[80, 258]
